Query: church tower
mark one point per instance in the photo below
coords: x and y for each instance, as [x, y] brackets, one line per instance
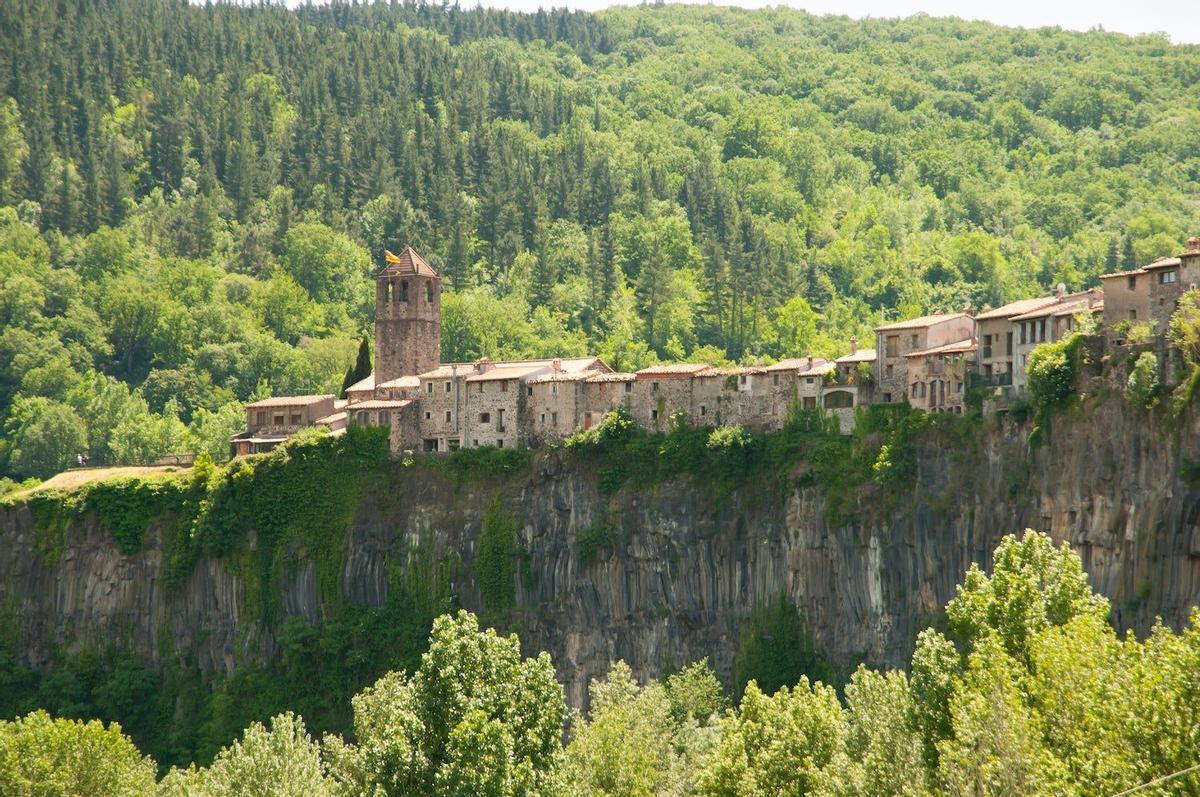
[408, 317]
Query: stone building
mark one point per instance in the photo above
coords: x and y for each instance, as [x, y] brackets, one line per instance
[271, 421]
[408, 317]
[1046, 324]
[604, 392]
[1169, 278]
[660, 391]
[1126, 301]
[894, 341]
[937, 377]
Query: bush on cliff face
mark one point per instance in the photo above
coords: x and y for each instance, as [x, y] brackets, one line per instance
[1141, 389]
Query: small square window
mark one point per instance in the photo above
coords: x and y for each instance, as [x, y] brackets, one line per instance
[447, 387]
[499, 444]
[629, 387]
[654, 386]
[296, 419]
[485, 417]
[429, 416]
[429, 387]
[654, 415]
[279, 419]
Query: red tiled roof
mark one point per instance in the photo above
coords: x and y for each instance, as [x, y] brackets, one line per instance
[1016, 308]
[674, 369]
[860, 356]
[957, 347]
[407, 263]
[1130, 273]
[1162, 262]
[923, 321]
[380, 404]
[612, 376]
[289, 401]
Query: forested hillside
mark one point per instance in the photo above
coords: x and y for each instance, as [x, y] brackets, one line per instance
[194, 196]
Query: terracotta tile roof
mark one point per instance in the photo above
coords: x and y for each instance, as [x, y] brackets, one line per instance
[448, 370]
[501, 372]
[957, 347]
[340, 403]
[290, 401]
[407, 263]
[674, 369]
[366, 383]
[1016, 308]
[1129, 273]
[727, 371]
[332, 418]
[563, 376]
[1070, 307]
[923, 321]
[860, 356]
[1162, 262]
[798, 364]
[380, 404]
[402, 382]
[612, 376]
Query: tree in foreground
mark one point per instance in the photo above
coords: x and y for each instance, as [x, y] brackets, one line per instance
[474, 719]
[46, 757]
[282, 761]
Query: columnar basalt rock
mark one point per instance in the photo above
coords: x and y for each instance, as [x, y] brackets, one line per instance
[685, 570]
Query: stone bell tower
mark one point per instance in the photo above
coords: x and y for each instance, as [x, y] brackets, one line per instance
[408, 317]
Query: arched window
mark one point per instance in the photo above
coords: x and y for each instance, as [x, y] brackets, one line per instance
[387, 292]
[428, 291]
[839, 399]
[404, 290]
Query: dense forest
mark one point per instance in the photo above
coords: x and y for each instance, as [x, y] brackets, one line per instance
[193, 197]
[1029, 691]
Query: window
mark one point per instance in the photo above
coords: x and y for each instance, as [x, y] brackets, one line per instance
[481, 387]
[914, 389]
[504, 386]
[431, 444]
[385, 418]
[260, 418]
[1131, 283]
[810, 402]
[1042, 330]
[428, 416]
[808, 381]
[1133, 315]
[429, 387]
[1167, 277]
[913, 344]
[629, 387]
[703, 410]
[529, 390]
[741, 379]
[363, 417]
[278, 419]
[500, 419]
[543, 419]
[429, 291]
[296, 419]
[958, 387]
[447, 387]
[1022, 325]
[554, 419]
[987, 340]
[554, 389]
[654, 386]
[452, 444]
[654, 415]
[893, 345]
[887, 399]
[475, 442]
[775, 379]
[1008, 345]
[387, 292]
[485, 417]
[404, 290]
[888, 370]
[447, 416]
[499, 444]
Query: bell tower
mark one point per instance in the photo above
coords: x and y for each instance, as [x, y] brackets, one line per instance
[408, 317]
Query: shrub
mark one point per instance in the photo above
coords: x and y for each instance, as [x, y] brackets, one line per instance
[1051, 372]
[494, 564]
[1141, 389]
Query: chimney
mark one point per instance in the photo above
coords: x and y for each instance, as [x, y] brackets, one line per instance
[556, 365]
[810, 361]
[854, 345]
[968, 310]
[483, 365]
[1060, 290]
[1193, 244]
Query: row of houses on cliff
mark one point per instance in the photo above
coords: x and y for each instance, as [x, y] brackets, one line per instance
[927, 362]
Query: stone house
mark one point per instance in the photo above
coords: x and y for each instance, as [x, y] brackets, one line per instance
[937, 377]
[996, 335]
[556, 406]
[894, 341]
[848, 385]
[660, 391]
[1169, 278]
[1126, 301]
[601, 393]
[1047, 324]
[271, 421]
[716, 396]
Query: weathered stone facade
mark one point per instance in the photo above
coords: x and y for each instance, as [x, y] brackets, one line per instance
[894, 341]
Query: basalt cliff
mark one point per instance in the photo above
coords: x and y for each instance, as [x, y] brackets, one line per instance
[683, 566]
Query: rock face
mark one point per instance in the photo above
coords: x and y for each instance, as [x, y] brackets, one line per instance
[686, 570]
